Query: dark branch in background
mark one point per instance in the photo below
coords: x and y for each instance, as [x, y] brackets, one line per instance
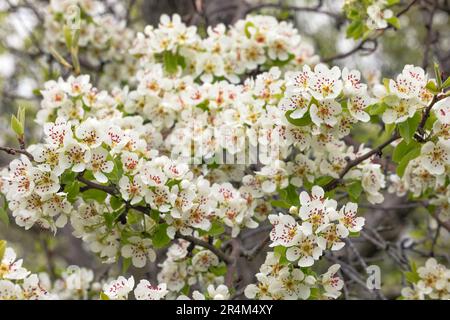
[199, 242]
[378, 150]
[93, 185]
[252, 253]
[13, 152]
[362, 46]
[315, 9]
[353, 163]
[232, 264]
[429, 38]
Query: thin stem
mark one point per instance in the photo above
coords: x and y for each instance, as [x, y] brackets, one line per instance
[14, 151]
[199, 242]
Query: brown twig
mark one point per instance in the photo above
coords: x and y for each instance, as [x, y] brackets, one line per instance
[232, 265]
[199, 242]
[93, 185]
[292, 8]
[350, 164]
[353, 163]
[14, 151]
[361, 45]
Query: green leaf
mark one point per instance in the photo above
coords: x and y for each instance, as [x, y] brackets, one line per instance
[160, 238]
[171, 62]
[2, 249]
[103, 296]
[377, 108]
[68, 36]
[437, 74]
[355, 30]
[94, 194]
[126, 263]
[412, 154]
[16, 126]
[21, 115]
[247, 27]
[446, 83]
[281, 251]
[68, 177]
[393, 21]
[203, 105]
[412, 277]
[306, 120]
[280, 204]
[117, 171]
[431, 86]
[4, 216]
[220, 270]
[402, 149]
[216, 228]
[322, 181]
[408, 128]
[354, 190]
[115, 203]
[72, 190]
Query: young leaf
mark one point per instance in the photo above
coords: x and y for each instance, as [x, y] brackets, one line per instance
[16, 126]
[408, 128]
[103, 296]
[4, 216]
[126, 263]
[437, 74]
[2, 249]
[354, 190]
[160, 238]
[412, 154]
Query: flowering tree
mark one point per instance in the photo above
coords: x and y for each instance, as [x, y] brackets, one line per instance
[202, 150]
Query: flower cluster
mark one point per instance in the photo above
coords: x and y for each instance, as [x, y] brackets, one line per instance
[297, 244]
[183, 268]
[256, 41]
[322, 227]
[120, 288]
[102, 39]
[368, 16]
[431, 281]
[282, 281]
[206, 138]
[17, 283]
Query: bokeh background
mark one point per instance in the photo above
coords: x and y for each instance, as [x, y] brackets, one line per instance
[423, 37]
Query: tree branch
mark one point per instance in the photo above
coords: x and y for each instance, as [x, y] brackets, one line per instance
[353, 163]
[93, 185]
[361, 45]
[199, 242]
[14, 151]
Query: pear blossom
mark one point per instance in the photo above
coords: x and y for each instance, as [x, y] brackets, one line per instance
[74, 155]
[442, 110]
[348, 218]
[44, 182]
[325, 83]
[99, 165]
[399, 110]
[119, 289]
[332, 283]
[145, 291]
[10, 268]
[378, 16]
[435, 156]
[305, 250]
[139, 250]
[325, 112]
[131, 189]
